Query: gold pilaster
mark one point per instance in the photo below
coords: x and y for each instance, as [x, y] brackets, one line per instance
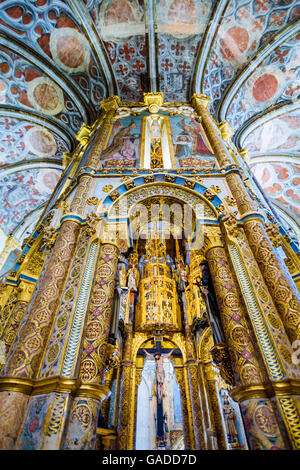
[126, 392]
[200, 103]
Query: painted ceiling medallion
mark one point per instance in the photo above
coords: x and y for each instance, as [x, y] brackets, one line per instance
[70, 49]
[236, 41]
[40, 142]
[264, 87]
[45, 96]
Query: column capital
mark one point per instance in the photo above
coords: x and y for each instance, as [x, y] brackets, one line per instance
[212, 238]
[154, 101]
[226, 130]
[112, 102]
[25, 290]
[200, 100]
[83, 135]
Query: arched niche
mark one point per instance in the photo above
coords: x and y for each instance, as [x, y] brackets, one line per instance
[157, 127]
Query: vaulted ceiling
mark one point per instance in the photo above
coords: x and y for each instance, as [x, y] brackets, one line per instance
[59, 59]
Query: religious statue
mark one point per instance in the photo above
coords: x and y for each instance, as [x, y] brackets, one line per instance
[160, 382]
[122, 271]
[160, 373]
[230, 420]
[132, 285]
[206, 289]
[119, 287]
[181, 276]
[156, 155]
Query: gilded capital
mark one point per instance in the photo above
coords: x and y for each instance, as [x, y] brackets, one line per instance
[25, 290]
[226, 130]
[83, 134]
[154, 101]
[200, 100]
[112, 102]
[212, 238]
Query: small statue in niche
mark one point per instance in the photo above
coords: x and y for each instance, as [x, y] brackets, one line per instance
[156, 155]
[119, 287]
[181, 277]
[230, 420]
[204, 283]
[133, 277]
[122, 271]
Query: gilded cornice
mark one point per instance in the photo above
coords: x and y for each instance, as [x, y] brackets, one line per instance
[268, 390]
[53, 384]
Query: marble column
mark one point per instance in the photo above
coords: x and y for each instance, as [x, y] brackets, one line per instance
[200, 436]
[138, 377]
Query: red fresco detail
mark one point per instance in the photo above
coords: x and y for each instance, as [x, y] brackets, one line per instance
[30, 74]
[234, 43]
[14, 12]
[265, 87]
[282, 172]
[24, 99]
[44, 43]
[290, 193]
[273, 189]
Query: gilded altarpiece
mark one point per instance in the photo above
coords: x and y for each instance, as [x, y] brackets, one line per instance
[149, 308]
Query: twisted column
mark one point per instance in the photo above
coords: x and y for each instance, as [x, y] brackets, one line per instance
[196, 402]
[24, 358]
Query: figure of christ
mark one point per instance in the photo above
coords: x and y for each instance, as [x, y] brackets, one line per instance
[160, 374]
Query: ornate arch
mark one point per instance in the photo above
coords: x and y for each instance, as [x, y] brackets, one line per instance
[187, 190]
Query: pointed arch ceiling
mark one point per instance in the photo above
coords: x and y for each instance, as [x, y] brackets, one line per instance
[60, 59]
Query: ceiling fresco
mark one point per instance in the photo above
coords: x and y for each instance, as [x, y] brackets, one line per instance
[60, 59]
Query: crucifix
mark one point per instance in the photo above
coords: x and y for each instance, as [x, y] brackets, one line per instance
[158, 353]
